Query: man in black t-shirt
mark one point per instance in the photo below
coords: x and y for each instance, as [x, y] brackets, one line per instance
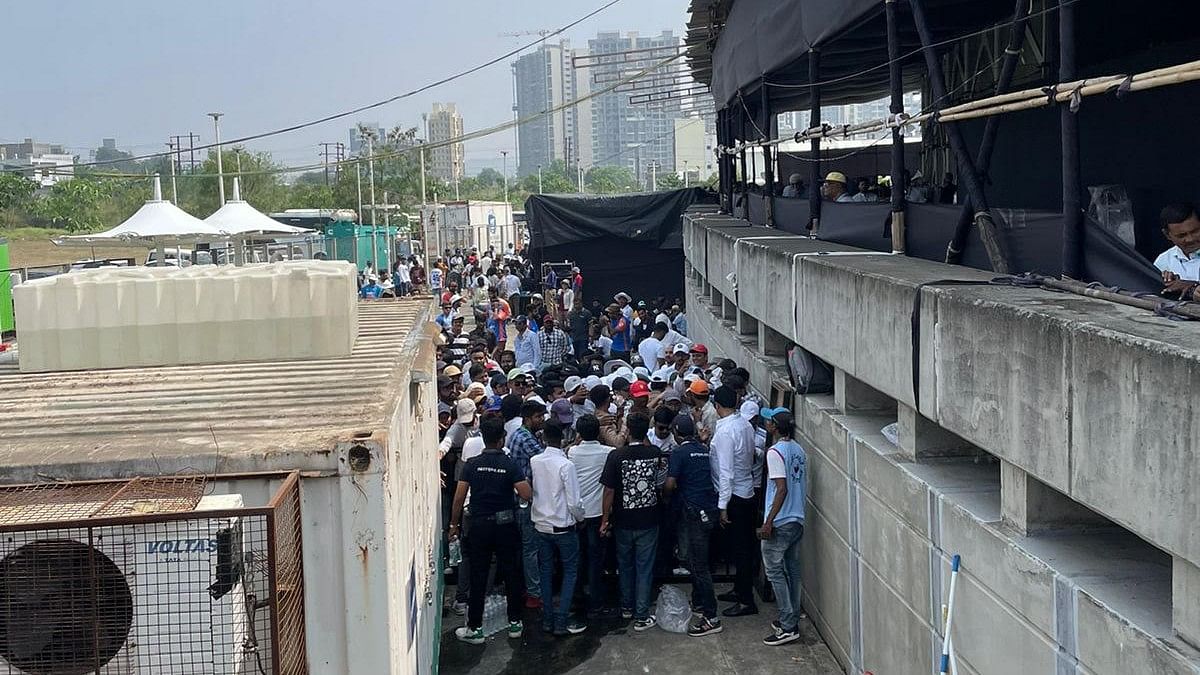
[630, 481]
[491, 479]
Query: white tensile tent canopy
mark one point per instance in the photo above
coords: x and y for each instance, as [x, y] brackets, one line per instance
[242, 221]
[156, 223]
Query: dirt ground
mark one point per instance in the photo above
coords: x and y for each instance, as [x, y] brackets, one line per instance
[39, 252]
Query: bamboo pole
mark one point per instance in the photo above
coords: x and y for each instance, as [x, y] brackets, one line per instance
[1188, 309]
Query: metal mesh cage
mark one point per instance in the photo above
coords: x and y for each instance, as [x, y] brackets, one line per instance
[158, 591]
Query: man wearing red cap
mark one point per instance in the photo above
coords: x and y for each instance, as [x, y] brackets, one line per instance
[700, 356]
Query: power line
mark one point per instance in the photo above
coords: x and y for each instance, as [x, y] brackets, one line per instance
[377, 104]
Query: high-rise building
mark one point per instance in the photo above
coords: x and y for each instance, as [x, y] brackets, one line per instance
[693, 149]
[546, 80]
[854, 113]
[624, 134]
[447, 162]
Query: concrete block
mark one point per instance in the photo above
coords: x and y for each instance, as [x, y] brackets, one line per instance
[895, 639]
[990, 637]
[825, 559]
[896, 552]
[1110, 643]
[827, 301]
[853, 394]
[828, 491]
[1185, 600]
[1134, 434]
[746, 324]
[1006, 367]
[764, 277]
[813, 422]
[1031, 507]
[893, 485]
[921, 438]
[1016, 578]
[771, 342]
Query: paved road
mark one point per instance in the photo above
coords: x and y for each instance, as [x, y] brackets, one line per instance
[612, 647]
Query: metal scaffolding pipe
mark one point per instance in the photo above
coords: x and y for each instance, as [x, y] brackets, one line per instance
[896, 82]
[968, 175]
[1072, 241]
[814, 119]
[768, 170]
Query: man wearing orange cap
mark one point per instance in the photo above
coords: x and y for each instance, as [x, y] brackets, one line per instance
[703, 412]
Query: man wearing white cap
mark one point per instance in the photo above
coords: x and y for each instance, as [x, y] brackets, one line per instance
[792, 191]
[623, 301]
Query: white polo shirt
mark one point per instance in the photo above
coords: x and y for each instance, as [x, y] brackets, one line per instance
[1173, 260]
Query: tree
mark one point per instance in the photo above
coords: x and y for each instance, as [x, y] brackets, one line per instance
[554, 180]
[490, 178]
[669, 181]
[74, 205]
[259, 185]
[16, 191]
[610, 180]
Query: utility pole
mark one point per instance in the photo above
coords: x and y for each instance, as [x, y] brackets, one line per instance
[539, 179]
[358, 171]
[654, 176]
[454, 172]
[174, 191]
[685, 174]
[387, 229]
[579, 171]
[325, 153]
[421, 152]
[178, 141]
[220, 171]
[504, 154]
[374, 215]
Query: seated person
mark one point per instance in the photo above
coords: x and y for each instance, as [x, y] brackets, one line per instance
[795, 187]
[865, 191]
[834, 187]
[1180, 264]
[372, 290]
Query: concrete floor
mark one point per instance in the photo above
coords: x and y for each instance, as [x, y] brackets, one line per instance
[611, 647]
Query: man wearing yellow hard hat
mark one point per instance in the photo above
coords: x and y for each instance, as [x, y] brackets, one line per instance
[834, 187]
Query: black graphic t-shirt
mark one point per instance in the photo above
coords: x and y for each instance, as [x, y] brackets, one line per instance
[632, 473]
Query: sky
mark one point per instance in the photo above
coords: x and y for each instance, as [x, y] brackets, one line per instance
[142, 71]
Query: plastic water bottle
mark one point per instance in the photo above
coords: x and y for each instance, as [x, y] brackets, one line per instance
[495, 615]
[455, 555]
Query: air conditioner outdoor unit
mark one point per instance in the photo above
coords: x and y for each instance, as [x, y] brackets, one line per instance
[138, 598]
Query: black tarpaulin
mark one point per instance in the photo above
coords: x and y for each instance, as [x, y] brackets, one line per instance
[631, 243]
[1031, 238]
[772, 38]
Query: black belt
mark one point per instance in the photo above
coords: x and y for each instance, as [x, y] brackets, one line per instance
[491, 516]
[563, 530]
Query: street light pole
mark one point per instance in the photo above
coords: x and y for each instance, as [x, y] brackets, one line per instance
[421, 152]
[654, 176]
[539, 179]
[220, 171]
[174, 191]
[374, 216]
[685, 174]
[504, 154]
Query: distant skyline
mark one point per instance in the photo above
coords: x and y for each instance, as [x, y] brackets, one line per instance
[141, 72]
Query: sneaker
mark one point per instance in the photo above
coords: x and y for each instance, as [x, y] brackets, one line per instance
[471, 636]
[572, 628]
[532, 603]
[704, 627]
[626, 614]
[460, 608]
[645, 624]
[515, 629]
[681, 572]
[781, 637]
[740, 610]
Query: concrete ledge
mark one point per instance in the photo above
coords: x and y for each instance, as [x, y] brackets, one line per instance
[1082, 394]
[1082, 602]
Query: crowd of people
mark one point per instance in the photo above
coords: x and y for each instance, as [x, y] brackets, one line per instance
[837, 187]
[575, 434]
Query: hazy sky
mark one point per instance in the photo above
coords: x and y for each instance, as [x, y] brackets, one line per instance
[140, 71]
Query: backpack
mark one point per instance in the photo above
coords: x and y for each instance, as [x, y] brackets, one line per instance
[810, 375]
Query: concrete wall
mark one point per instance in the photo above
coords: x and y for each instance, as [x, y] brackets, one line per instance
[1050, 446]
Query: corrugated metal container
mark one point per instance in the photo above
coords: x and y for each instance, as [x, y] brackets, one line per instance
[361, 428]
[145, 316]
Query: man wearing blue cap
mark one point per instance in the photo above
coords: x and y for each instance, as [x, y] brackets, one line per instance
[783, 525]
[689, 478]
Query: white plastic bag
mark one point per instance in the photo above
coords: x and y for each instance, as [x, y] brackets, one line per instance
[673, 612]
[892, 433]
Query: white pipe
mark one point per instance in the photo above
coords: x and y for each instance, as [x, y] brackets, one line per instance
[945, 664]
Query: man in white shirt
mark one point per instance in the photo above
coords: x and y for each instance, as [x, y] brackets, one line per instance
[589, 457]
[557, 507]
[623, 301]
[510, 285]
[652, 350]
[733, 457]
[1180, 264]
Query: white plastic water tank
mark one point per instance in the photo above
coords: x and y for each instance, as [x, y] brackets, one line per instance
[144, 316]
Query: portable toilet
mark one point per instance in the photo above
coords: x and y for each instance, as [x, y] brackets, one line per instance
[7, 322]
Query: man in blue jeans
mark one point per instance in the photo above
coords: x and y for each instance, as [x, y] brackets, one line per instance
[557, 508]
[783, 525]
[522, 447]
[631, 512]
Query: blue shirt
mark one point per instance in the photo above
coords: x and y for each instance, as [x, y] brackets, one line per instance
[526, 348]
[690, 467]
[523, 446]
[680, 323]
[787, 460]
[620, 338]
